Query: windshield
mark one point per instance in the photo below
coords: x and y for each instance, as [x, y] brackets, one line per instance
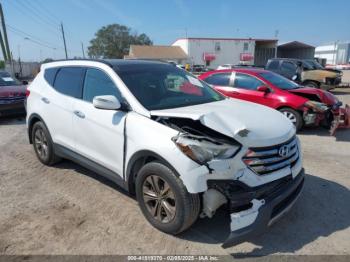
[7, 80]
[313, 64]
[279, 81]
[166, 86]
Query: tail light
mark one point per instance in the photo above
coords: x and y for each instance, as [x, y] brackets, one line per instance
[27, 92]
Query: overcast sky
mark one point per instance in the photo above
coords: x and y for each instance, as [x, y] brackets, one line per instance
[33, 25]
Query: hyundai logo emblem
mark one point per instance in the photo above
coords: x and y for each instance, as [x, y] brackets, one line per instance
[283, 151]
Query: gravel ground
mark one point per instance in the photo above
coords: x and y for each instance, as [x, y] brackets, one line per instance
[67, 209]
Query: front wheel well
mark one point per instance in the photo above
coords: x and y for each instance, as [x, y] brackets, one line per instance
[310, 82]
[137, 161]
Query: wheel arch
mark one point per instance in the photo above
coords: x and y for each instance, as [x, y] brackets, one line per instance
[31, 121]
[137, 161]
[305, 82]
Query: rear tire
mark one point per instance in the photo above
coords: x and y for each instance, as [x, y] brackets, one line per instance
[43, 145]
[164, 200]
[293, 116]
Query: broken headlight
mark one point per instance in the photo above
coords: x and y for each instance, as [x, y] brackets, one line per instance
[316, 106]
[203, 149]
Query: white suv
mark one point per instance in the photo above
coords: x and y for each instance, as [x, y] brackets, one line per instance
[159, 132]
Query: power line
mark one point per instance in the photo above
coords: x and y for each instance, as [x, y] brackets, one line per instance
[37, 39]
[42, 13]
[37, 19]
[29, 35]
[34, 41]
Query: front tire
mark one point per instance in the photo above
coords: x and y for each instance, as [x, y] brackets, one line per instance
[293, 116]
[43, 145]
[312, 84]
[164, 200]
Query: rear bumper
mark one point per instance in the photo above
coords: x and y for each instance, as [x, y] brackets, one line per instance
[265, 212]
[12, 108]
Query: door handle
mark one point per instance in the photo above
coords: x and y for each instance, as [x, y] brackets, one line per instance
[79, 114]
[45, 100]
[234, 92]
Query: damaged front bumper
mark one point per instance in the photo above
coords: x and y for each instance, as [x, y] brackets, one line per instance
[341, 119]
[262, 212]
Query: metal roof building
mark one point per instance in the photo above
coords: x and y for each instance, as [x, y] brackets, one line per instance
[295, 49]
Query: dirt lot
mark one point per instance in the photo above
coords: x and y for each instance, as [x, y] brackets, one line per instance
[68, 210]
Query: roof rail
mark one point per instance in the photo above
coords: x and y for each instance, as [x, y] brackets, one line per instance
[81, 59]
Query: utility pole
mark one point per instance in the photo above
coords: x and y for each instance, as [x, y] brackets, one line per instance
[82, 49]
[8, 52]
[64, 41]
[3, 47]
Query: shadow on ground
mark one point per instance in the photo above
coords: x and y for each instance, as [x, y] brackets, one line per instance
[321, 210]
[66, 164]
[342, 134]
[15, 120]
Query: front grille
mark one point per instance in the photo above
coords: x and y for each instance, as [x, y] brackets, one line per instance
[265, 160]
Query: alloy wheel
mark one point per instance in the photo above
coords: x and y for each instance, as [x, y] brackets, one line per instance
[41, 144]
[290, 116]
[159, 198]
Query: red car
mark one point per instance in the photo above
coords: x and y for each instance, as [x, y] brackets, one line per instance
[12, 95]
[302, 105]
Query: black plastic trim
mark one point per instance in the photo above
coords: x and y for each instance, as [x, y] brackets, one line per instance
[264, 218]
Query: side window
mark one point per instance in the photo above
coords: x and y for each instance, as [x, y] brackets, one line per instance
[68, 81]
[219, 79]
[247, 82]
[50, 75]
[273, 65]
[288, 68]
[97, 83]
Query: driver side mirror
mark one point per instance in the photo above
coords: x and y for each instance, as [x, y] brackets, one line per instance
[264, 89]
[24, 82]
[106, 102]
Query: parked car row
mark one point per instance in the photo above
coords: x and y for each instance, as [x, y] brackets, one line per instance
[181, 146]
[12, 95]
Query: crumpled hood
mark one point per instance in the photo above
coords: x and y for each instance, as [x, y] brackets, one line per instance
[251, 124]
[324, 96]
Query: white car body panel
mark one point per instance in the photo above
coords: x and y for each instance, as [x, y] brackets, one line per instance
[99, 136]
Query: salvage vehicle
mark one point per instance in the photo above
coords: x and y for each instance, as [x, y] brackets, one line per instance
[305, 72]
[157, 131]
[12, 95]
[303, 106]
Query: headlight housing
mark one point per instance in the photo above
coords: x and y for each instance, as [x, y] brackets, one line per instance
[203, 149]
[316, 106]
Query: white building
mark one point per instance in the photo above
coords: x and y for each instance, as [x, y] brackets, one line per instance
[213, 52]
[335, 54]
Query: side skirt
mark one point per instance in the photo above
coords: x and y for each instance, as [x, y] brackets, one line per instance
[64, 152]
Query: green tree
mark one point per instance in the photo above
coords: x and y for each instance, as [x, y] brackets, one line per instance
[113, 41]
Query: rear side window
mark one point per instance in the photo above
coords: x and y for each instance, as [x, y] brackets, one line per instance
[69, 81]
[273, 65]
[50, 75]
[219, 79]
[247, 82]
